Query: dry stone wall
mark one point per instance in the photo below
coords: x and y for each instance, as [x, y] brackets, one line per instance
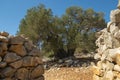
[19, 59]
[108, 66]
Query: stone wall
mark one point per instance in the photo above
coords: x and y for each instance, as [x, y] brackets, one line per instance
[19, 59]
[108, 66]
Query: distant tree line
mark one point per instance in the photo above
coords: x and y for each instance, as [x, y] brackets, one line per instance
[62, 36]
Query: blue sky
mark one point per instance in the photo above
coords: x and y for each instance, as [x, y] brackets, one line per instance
[12, 11]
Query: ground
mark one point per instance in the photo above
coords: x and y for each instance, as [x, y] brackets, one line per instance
[64, 73]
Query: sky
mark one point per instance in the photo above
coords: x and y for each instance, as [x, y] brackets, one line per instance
[12, 11]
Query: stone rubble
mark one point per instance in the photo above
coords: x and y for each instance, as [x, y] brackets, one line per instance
[70, 62]
[108, 66]
[19, 59]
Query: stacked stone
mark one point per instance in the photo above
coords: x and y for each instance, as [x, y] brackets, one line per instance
[19, 59]
[108, 66]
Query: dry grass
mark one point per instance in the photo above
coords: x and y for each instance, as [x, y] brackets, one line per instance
[69, 74]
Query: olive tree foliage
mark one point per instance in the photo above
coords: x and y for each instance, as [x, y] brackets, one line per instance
[81, 26]
[61, 36]
[36, 24]
[43, 29]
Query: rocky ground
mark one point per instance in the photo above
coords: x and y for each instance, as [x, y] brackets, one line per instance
[75, 61]
[65, 73]
[72, 68]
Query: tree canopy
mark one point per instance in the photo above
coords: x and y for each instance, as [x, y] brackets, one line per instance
[62, 36]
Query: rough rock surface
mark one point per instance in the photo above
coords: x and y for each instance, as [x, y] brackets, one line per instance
[19, 59]
[108, 66]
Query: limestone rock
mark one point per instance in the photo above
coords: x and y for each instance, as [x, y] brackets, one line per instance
[97, 56]
[38, 60]
[8, 72]
[108, 40]
[96, 70]
[104, 55]
[22, 74]
[102, 49]
[32, 61]
[95, 77]
[99, 64]
[4, 34]
[117, 68]
[17, 64]
[114, 52]
[114, 16]
[116, 43]
[2, 53]
[35, 52]
[18, 49]
[37, 72]
[110, 66]
[3, 39]
[11, 57]
[3, 64]
[16, 40]
[3, 46]
[117, 35]
[116, 74]
[28, 61]
[117, 79]
[28, 45]
[106, 65]
[40, 78]
[113, 28]
[117, 59]
[109, 75]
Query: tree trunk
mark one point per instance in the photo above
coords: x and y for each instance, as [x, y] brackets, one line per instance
[71, 52]
[61, 53]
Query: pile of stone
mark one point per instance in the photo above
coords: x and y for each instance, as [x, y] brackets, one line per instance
[108, 66]
[19, 59]
[70, 62]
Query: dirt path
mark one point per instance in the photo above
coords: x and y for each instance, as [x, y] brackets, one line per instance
[69, 74]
